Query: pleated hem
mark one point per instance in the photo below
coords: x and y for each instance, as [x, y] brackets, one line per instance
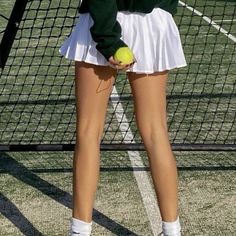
[154, 39]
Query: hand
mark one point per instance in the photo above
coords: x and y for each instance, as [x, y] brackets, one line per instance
[120, 66]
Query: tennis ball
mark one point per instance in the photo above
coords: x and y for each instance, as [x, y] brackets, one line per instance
[124, 55]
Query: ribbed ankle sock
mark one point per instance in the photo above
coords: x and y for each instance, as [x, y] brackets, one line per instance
[80, 227]
[171, 228]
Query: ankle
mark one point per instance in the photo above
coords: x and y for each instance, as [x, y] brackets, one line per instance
[80, 227]
[171, 228]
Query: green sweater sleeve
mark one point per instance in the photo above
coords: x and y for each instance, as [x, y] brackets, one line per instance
[106, 30]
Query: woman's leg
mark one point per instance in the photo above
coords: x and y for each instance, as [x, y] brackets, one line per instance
[93, 85]
[149, 92]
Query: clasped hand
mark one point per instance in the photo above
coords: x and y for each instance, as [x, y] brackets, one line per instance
[120, 66]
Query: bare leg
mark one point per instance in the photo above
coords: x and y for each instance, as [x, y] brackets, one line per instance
[93, 85]
[149, 93]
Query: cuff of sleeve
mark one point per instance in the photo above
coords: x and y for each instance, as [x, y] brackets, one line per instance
[108, 52]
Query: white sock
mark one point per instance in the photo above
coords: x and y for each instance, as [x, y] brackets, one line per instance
[80, 227]
[171, 228]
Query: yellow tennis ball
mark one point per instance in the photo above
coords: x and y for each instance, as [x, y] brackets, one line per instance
[124, 55]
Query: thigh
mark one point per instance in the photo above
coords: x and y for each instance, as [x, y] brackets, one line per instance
[93, 86]
[149, 94]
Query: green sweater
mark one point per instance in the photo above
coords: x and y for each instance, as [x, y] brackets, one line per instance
[106, 30]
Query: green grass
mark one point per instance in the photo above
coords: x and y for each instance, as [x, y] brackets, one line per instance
[37, 107]
[40, 187]
[37, 84]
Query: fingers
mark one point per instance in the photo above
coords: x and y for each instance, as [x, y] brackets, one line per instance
[120, 66]
[113, 61]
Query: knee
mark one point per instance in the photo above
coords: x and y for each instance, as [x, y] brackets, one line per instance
[154, 134]
[89, 134]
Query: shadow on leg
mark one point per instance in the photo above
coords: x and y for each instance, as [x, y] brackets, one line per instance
[93, 85]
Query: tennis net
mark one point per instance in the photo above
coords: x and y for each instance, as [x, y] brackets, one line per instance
[37, 101]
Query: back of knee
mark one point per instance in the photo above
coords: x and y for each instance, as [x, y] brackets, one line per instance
[154, 133]
[90, 134]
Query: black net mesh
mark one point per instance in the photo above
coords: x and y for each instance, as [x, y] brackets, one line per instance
[37, 101]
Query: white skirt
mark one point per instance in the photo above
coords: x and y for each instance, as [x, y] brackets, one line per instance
[154, 39]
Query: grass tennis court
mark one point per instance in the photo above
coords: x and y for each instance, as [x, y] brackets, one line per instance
[37, 105]
[36, 194]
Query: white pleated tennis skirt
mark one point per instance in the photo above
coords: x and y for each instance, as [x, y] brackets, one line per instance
[154, 39]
